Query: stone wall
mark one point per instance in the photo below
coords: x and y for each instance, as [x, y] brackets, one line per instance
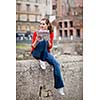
[71, 47]
[33, 83]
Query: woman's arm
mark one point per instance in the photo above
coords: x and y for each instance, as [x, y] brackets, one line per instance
[51, 40]
[34, 40]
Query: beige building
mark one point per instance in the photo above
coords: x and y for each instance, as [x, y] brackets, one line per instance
[68, 16]
[29, 12]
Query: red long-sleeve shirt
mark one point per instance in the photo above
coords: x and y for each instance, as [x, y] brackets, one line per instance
[51, 40]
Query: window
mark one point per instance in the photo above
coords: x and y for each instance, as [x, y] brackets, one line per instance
[36, 8]
[60, 24]
[71, 32]
[65, 24]
[78, 32]
[60, 31]
[36, 11]
[71, 24]
[28, 7]
[18, 6]
[65, 32]
[54, 7]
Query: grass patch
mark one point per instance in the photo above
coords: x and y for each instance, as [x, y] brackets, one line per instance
[22, 46]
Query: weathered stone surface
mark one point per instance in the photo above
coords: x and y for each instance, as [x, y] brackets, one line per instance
[33, 83]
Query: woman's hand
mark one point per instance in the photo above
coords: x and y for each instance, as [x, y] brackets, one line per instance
[49, 43]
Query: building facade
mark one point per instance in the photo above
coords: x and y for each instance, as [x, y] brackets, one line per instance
[68, 15]
[29, 13]
[69, 28]
[69, 18]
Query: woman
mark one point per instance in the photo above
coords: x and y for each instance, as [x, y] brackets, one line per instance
[41, 51]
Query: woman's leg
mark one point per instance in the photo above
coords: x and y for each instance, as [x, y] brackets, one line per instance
[57, 72]
[40, 52]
